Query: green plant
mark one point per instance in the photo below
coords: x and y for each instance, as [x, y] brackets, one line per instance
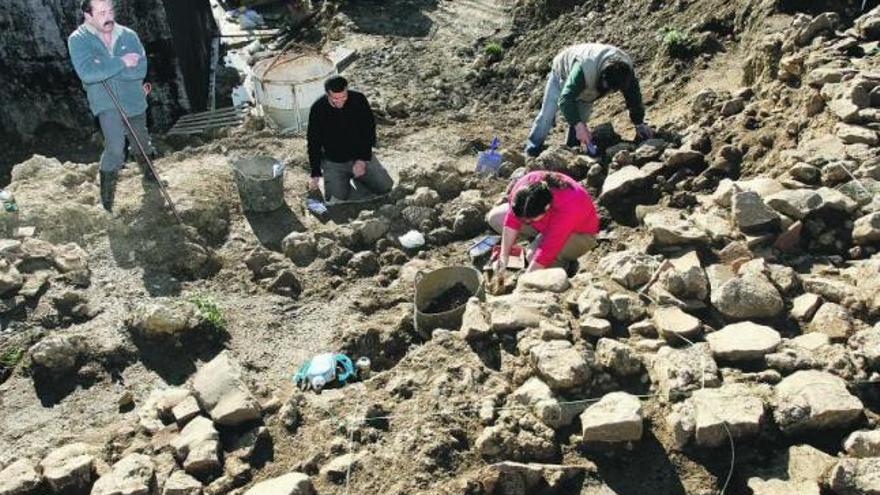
[493, 49]
[11, 356]
[209, 310]
[678, 43]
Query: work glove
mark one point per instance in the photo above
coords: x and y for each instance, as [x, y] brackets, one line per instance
[644, 131]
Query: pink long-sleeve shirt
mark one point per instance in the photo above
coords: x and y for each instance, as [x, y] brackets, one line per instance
[571, 211]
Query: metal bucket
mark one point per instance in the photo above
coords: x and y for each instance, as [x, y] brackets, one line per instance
[287, 85]
[430, 285]
[260, 181]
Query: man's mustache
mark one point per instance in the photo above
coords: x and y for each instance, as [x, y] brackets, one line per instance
[108, 23]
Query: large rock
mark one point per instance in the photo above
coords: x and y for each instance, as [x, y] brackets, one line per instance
[219, 387]
[687, 279]
[549, 280]
[856, 477]
[560, 364]
[764, 186]
[300, 247]
[866, 229]
[866, 343]
[751, 215]
[853, 134]
[180, 483]
[684, 158]
[515, 478]
[673, 324]
[836, 200]
[732, 409]
[535, 394]
[369, 230]
[197, 447]
[814, 400]
[622, 182]
[339, 468]
[806, 463]
[743, 341]
[630, 269]
[520, 310]
[775, 486]
[71, 258]
[829, 289]
[796, 203]
[10, 278]
[594, 327]
[863, 443]
[833, 320]
[169, 318]
[669, 228]
[617, 417]
[746, 297]
[70, 468]
[678, 372]
[57, 354]
[594, 301]
[474, 322]
[804, 306]
[627, 308]
[289, 484]
[134, 474]
[617, 357]
[868, 25]
[19, 478]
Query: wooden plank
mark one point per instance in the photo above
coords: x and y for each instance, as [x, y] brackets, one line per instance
[209, 119]
[218, 111]
[212, 124]
[206, 118]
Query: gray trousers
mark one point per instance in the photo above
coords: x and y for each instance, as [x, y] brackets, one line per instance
[338, 176]
[115, 132]
[576, 246]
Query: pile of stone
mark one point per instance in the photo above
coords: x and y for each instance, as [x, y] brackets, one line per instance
[32, 270]
[201, 439]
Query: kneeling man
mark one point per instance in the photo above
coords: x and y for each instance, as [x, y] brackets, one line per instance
[342, 132]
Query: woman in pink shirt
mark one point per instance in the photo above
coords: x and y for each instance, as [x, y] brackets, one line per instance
[556, 207]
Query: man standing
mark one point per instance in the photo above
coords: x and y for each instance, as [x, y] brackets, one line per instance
[341, 136]
[110, 57]
[580, 75]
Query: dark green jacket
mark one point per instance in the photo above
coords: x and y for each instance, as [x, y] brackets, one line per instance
[94, 64]
[579, 68]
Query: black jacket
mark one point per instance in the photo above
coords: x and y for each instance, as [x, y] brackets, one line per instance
[341, 134]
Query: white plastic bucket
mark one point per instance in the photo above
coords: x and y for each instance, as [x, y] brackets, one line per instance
[285, 87]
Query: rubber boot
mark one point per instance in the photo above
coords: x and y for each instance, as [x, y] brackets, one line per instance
[108, 188]
[149, 176]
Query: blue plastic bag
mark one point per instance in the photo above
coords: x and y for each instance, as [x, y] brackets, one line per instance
[323, 369]
[489, 161]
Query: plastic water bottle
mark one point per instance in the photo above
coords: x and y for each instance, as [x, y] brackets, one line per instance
[363, 367]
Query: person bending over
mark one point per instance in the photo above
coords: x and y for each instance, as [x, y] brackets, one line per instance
[551, 208]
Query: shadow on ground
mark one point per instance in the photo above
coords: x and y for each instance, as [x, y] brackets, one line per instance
[656, 472]
[175, 362]
[270, 228]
